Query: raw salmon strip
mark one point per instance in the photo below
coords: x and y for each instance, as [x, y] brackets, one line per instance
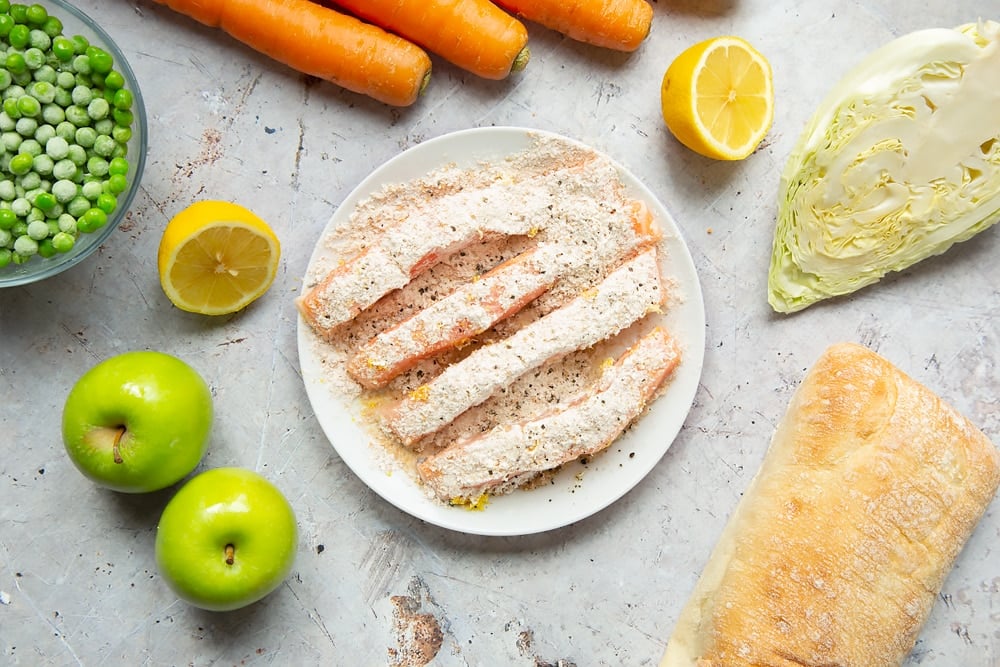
[582, 426]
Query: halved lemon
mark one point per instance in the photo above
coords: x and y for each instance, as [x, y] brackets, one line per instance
[216, 258]
[717, 98]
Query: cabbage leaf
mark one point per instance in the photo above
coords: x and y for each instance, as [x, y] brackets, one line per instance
[900, 162]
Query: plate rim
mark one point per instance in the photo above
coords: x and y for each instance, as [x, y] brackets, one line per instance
[456, 518]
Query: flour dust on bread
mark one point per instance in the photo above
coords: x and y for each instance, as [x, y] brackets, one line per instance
[868, 492]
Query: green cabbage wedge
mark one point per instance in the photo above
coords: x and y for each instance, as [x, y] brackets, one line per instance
[901, 161]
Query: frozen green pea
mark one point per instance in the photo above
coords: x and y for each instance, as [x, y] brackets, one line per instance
[46, 202]
[100, 60]
[21, 207]
[45, 73]
[7, 193]
[81, 64]
[64, 190]
[30, 146]
[5, 78]
[77, 115]
[28, 106]
[19, 36]
[26, 126]
[123, 99]
[62, 48]
[15, 63]
[22, 78]
[78, 154]
[34, 58]
[123, 118]
[104, 145]
[66, 80]
[43, 91]
[30, 181]
[53, 27]
[86, 136]
[63, 97]
[67, 223]
[115, 81]
[67, 131]
[6, 238]
[45, 248]
[117, 183]
[43, 164]
[7, 217]
[121, 134]
[118, 165]
[80, 43]
[14, 91]
[97, 166]
[6, 122]
[93, 218]
[53, 114]
[11, 141]
[10, 112]
[63, 241]
[64, 169]
[39, 40]
[77, 206]
[44, 133]
[57, 147]
[5, 257]
[35, 14]
[82, 95]
[38, 230]
[25, 245]
[35, 214]
[107, 202]
[20, 164]
[91, 190]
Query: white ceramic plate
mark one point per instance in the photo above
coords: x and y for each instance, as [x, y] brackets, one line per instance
[573, 496]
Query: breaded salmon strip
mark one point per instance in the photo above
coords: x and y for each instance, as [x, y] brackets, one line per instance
[478, 305]
[442, 226]
[582, 426]
[626, 295]
[466, 312]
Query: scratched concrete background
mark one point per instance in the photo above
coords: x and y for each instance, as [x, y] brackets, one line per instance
[371, 585]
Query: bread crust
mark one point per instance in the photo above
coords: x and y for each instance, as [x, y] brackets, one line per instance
[833, 558]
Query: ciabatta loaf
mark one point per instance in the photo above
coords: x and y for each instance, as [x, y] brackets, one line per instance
[835, 554]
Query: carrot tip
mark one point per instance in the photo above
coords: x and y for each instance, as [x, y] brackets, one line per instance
[521, 59]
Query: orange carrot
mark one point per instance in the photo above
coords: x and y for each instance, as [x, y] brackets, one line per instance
[475, 35]
[322, 42]
[614, 24]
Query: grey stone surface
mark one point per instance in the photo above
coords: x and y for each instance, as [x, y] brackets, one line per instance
[78, 582]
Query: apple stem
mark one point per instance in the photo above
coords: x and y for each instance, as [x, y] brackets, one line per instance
[115, 450]
[230, 554]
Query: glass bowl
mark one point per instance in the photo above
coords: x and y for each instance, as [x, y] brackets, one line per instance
[37, 268]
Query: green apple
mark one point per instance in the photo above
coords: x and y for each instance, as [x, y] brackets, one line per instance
[226, 539]
[138, 421]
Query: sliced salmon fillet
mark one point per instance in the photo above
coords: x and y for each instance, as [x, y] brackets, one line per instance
[582, 426]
